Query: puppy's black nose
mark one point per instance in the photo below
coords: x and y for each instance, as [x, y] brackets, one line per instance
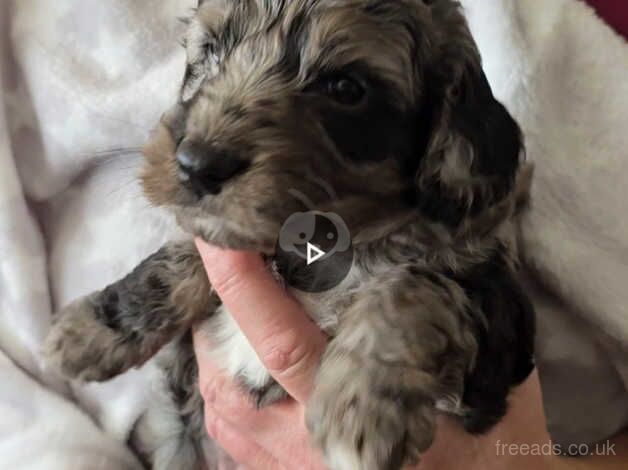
[205, 167]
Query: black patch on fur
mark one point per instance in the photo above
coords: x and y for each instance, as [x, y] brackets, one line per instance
[108, 311]
[289, 63]
[183, 379]
[490, 129]
[437, 205]
[398, 453]
[372, 131]
[128, 306]
[496, 142]
[505, 342]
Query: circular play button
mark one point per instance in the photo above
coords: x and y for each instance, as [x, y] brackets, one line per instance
[314, 251]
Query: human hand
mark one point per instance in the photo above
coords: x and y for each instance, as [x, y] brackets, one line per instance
[290, 346]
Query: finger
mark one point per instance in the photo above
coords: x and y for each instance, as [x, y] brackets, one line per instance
[290, 445]
[230, 400]
[278, 429]
[207, 370]
[285, 339]
[241, 449]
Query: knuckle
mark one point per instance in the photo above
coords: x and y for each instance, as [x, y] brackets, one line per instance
[286, 355]
[226, 399]
[211, 390]
[226, 282]
[211, 424]
[228, 277]
[235, 404]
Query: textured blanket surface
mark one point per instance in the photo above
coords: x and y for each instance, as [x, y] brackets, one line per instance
[83, 82]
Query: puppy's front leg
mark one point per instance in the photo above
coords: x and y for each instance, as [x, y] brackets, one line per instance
[404, 343]
[107, 332]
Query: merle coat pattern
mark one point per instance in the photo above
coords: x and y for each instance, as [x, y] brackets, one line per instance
[386, 103]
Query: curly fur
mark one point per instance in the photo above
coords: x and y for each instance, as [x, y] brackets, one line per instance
[427, 175]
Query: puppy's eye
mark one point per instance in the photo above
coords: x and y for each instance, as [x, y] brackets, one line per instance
[344, 90]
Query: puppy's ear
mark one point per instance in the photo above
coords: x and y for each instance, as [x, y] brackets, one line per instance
[475, 146]
[505, 338]
[201, 47]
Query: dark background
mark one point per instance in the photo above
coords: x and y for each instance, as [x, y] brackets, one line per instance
[614, 12]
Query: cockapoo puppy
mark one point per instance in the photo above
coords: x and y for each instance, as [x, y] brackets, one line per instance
[385, 102]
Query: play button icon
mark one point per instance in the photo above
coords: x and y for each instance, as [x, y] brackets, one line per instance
[314, 253]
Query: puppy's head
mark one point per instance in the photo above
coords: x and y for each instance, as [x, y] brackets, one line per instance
[368, 108]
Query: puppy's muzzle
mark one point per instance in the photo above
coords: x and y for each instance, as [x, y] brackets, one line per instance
[205, 167]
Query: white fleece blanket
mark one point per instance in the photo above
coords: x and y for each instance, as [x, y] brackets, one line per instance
[81, 78]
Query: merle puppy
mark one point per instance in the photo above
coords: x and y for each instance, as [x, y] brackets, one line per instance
[385, 102]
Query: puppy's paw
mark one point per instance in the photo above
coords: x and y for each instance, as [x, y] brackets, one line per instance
[82, 347]
[361, 426]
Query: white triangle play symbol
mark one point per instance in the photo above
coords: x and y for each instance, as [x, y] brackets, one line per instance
[314, 253]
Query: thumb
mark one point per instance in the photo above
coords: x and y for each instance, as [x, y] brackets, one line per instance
[287, 342]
